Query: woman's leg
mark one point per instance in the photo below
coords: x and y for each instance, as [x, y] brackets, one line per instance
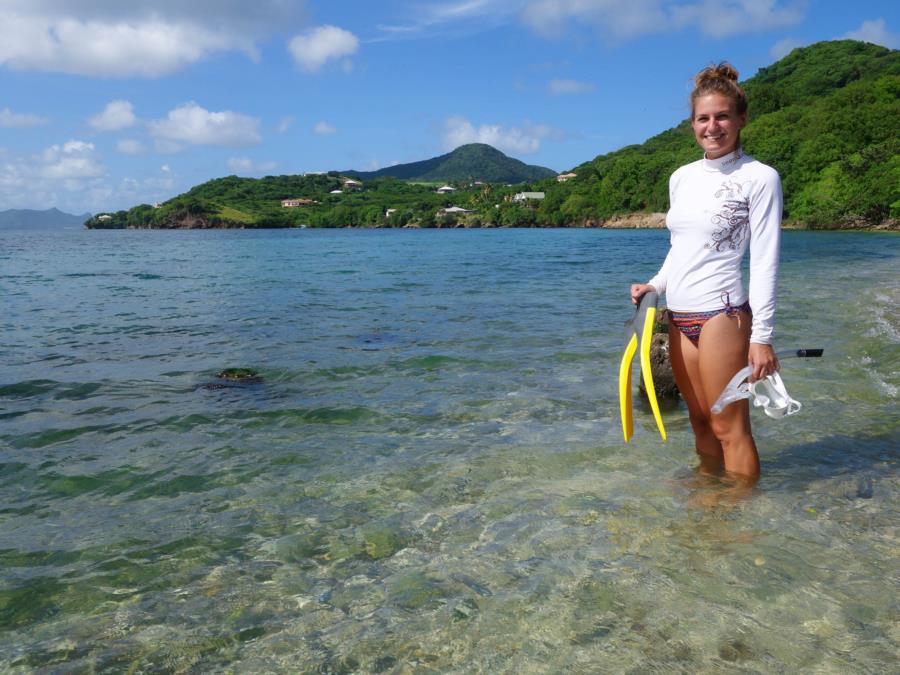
[724, 342]
[685, 358]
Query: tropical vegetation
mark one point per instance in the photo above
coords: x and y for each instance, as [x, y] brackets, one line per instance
[827, 117]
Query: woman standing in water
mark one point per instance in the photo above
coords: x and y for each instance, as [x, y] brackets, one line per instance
[719, 206]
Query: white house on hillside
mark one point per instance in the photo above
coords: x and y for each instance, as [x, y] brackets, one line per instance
[446, 189]
[290, 203]
[527, 196]
[563, 177]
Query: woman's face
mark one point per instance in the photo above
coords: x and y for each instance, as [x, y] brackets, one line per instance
[717, 125]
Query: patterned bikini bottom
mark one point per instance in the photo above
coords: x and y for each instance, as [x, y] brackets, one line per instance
[691, 323]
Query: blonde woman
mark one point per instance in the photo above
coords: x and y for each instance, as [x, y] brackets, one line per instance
[720, 206]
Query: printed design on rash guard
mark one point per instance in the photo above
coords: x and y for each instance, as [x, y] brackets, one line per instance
[733, 218]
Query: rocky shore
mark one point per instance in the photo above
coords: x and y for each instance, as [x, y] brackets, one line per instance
[630, 221]
[635, 221]
[191, 222]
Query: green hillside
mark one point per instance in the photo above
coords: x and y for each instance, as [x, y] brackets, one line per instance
[827, 117]
[472, 162]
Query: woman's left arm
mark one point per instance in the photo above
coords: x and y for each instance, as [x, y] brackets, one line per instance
[765, 240]
[763, 361]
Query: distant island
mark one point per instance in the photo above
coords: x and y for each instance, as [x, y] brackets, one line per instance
[49, 219]
[827, 117]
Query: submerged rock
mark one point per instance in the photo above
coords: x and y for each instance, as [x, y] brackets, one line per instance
[381, 542]
[414, 591]
[231, 377]
[865, 488]
[660, 365]
[245, 375]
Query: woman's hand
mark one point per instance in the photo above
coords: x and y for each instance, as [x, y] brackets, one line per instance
[761, 358]
[638, 291]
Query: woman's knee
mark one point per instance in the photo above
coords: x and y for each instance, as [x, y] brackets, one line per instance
[728, 429]
[701, 424]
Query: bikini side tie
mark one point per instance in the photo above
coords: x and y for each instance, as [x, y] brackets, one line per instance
[730, 310]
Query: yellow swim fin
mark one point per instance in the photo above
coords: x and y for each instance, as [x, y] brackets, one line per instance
[625, 387]
[640, 335]
[646, 371]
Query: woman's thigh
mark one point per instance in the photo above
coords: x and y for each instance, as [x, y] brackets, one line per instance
[685, 359]
[724, 343]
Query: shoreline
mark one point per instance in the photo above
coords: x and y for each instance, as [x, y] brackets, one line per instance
[631, 221]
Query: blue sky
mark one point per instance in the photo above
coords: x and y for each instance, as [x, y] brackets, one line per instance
[105, 104]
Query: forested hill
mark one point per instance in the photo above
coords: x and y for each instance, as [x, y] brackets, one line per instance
[475, 161]
[827, 117]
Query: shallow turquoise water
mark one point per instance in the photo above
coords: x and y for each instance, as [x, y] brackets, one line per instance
[431, 476]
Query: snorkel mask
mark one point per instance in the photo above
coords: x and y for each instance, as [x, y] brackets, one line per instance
[769, 393]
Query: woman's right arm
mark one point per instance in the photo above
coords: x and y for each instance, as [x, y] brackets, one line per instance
[660, 279]
[638, 291]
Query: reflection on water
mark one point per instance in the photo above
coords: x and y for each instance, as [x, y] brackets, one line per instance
[429, 476]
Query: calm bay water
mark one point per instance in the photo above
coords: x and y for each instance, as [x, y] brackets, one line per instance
[431, 476]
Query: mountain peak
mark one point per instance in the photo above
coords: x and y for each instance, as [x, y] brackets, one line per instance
[51, 218]
[478, 161]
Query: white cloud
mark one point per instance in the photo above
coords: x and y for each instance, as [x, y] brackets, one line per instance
[558, 87]
[724, 18]
[311, 50]
[617, 18]
[876, 32]
[73, 167]
[240, 164]
[246, 166]
[625, 20]
[74, 159]
[784, 47]
[116, 115]
[164, 146]
[77, 47]
[147, 38]
[463, 16]
[324, 129]
[70, 177]
[9, 119]
[130, 146]
[131, 191]
[190, 123]
[284, 124]
[73, 147]
[524, 141]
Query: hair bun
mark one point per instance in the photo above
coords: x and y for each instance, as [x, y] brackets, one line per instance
[719, 79]
[727, 71]
[723, 70]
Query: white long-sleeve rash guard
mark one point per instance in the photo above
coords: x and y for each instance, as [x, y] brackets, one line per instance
[717, 208]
